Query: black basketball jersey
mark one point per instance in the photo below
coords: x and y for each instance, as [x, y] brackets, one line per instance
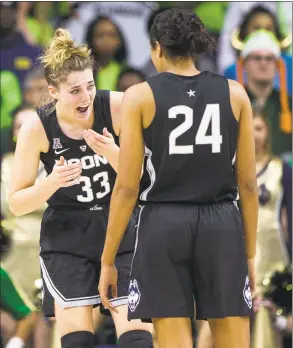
[190, 145]
[97, 177]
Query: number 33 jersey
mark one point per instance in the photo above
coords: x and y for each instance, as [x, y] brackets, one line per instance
[97, 177]
[190, 145]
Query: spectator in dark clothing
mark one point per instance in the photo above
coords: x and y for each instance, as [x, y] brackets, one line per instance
[18, 57]
[35, 87]
[128, 78]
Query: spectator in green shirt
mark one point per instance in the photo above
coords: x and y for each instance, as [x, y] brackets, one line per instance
[14, 302]
[108, 47]
[260, 57]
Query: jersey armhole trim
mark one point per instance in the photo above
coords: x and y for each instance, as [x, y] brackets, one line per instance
[46, 131]
[111, 122]
[104, 98]
[155, 104]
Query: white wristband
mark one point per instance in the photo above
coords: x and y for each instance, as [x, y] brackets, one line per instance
[281, 323]
[15, 342]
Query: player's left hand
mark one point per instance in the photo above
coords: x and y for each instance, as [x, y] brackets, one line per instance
[259, 301]
[108, 278]
[101, 144]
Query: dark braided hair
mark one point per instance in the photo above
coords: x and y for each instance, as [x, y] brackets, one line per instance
[180, 34]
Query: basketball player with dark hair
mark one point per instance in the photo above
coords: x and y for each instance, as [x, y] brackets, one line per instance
[194, 130]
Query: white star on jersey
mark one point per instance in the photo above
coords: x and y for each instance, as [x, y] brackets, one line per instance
[191, 93]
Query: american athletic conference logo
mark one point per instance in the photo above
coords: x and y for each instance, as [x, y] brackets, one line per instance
[133, 295]
[247, 293]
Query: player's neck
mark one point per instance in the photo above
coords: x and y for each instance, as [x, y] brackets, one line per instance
[182, 68]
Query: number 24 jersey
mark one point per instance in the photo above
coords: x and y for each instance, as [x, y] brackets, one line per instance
[190, 145]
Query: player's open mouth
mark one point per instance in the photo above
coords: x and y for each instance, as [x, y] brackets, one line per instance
[82, 109]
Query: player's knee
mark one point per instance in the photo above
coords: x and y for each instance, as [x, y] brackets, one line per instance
[136, 339]
[78, 339]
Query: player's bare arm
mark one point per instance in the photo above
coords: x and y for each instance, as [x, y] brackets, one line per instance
[127, 182]
[104, 144]
[246, 175]
[115, 107]
[25, 195]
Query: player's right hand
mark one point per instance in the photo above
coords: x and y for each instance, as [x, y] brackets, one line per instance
[252, 275]
[65, 175]
[108, 278]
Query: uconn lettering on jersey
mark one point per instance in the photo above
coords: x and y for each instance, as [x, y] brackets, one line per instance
[89, 162]
[94, 185]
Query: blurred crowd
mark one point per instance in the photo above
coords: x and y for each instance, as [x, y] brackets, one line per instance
[254, 47]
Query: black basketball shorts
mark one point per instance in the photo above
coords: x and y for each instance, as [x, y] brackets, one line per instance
[185, 253]
[71, 246]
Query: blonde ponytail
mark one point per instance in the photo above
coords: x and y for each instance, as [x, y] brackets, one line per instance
[62, 56]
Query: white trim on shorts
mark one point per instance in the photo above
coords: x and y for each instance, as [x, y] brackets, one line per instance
[119, 301]
[136, 239]
[152, 173]
[62, 300]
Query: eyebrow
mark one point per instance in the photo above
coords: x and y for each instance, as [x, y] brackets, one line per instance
[89, 82]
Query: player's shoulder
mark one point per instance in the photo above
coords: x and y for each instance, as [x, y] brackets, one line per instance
[137, 88]
[109, 100]
[33, 130]
[239, 99]
[105, 94]
[237, 91]
[33, 125]
[116, 100]
[140, 92]
[235, 85]
[116, 96]
[109, 103]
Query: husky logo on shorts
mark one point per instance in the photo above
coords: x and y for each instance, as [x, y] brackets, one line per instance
[247, 293]
[133, 295]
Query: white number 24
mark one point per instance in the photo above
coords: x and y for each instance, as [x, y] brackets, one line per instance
[211, 114]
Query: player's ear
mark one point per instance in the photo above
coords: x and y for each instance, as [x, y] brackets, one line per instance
[159, 50]
[53, 92]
